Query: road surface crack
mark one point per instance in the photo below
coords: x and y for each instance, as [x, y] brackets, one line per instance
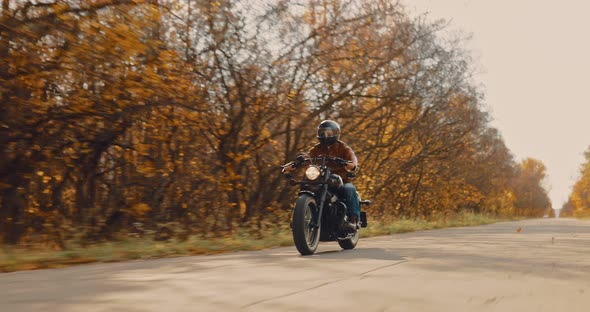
[319, 285]
[383, 267]
[292, 293]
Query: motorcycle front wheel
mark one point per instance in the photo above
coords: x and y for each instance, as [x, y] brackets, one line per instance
[305, 235]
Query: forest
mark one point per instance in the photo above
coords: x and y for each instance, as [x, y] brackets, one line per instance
[172, 118]
[578, 204]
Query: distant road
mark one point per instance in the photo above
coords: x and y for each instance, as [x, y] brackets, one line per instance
[544, 267]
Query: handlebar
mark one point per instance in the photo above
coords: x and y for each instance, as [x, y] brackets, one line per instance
[300, 160]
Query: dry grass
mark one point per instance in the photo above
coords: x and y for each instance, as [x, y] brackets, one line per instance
[406, 225]
[15, 259]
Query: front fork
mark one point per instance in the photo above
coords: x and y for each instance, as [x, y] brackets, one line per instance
[322, 200]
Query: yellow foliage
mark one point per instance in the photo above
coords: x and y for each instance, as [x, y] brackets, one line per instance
[138, 210]
[160, 110]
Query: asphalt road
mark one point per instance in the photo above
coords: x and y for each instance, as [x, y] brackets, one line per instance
[544, 267]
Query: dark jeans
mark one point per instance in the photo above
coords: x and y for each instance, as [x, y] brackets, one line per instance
[351, 199]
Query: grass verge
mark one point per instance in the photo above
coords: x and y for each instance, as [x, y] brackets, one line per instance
[407, 225]
[17, 259]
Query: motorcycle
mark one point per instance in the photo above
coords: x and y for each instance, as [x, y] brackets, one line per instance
[319, 214]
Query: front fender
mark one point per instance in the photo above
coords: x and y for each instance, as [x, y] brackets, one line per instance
[310, 193]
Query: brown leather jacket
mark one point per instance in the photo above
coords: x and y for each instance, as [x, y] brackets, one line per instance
[338, 149]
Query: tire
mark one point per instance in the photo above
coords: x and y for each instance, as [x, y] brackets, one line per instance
[349, 243]
[305, 237]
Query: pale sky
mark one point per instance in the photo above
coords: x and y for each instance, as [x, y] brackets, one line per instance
[536, 60]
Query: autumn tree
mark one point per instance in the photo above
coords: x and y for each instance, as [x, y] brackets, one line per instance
[579, 200]
[531, 197]
[170, 118]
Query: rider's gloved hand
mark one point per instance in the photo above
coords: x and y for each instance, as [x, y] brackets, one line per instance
[350, 167]
[300, 160]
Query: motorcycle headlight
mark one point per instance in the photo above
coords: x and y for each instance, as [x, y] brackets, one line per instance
[312, 173]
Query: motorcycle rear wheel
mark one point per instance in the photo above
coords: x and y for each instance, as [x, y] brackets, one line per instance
[349, 243]
[305, 235]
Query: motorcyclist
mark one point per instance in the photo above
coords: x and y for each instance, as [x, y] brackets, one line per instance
[328, 134]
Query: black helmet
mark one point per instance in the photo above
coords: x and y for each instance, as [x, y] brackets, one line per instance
[328, 132]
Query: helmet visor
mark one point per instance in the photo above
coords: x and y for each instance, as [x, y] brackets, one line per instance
[326, 133]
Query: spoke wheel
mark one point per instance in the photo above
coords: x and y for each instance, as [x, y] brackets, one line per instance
[350, 243]
[306, 234]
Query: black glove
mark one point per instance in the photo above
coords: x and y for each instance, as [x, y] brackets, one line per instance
[299, 160]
